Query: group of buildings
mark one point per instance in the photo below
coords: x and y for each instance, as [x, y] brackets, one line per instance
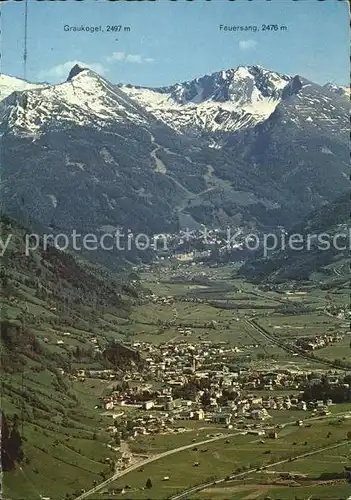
[318, 341]
[192, 382]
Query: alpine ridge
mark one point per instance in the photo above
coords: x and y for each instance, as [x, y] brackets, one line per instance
[10, 84]
[226, 100]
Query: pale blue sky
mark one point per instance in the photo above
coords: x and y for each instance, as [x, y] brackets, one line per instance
[177, 41]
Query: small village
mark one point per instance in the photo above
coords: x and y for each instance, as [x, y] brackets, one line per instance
[196, 382]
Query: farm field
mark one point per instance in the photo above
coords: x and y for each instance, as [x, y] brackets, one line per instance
[216, 460]
[336, 491]
[230, 301]
[65, 433]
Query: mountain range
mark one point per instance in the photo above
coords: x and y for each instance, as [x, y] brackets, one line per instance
[244, 146]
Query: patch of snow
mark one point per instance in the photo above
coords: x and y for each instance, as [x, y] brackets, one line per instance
[53, 199]
[86, 99]
[238, 99]
[10, 84]
[327, 151]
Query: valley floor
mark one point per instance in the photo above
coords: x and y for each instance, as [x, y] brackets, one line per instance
[72, 458]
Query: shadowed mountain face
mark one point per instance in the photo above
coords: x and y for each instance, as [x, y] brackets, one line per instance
[245, 146]
[329, 255]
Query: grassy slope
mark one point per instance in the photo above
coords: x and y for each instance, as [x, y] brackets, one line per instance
[43, 295]
[68, 412]
[222, 457]
[225, 457]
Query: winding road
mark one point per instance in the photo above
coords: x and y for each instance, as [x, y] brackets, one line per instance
[149, 460]
[142, 463]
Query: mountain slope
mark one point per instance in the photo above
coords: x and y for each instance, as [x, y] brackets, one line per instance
[341, 90]
[83, 137]
[289, 264]
[60, 284]
[301, 150]
[58, 315]
[10, 84]
[224, 101]
[84, 99]
[87, 155]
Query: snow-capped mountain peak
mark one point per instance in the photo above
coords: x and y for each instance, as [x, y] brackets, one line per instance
[223, 102]
[84, 99]
[9, 84]
[76, 70]
[241, 85]
[227, 100]
[337, 89]
[88, 154]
